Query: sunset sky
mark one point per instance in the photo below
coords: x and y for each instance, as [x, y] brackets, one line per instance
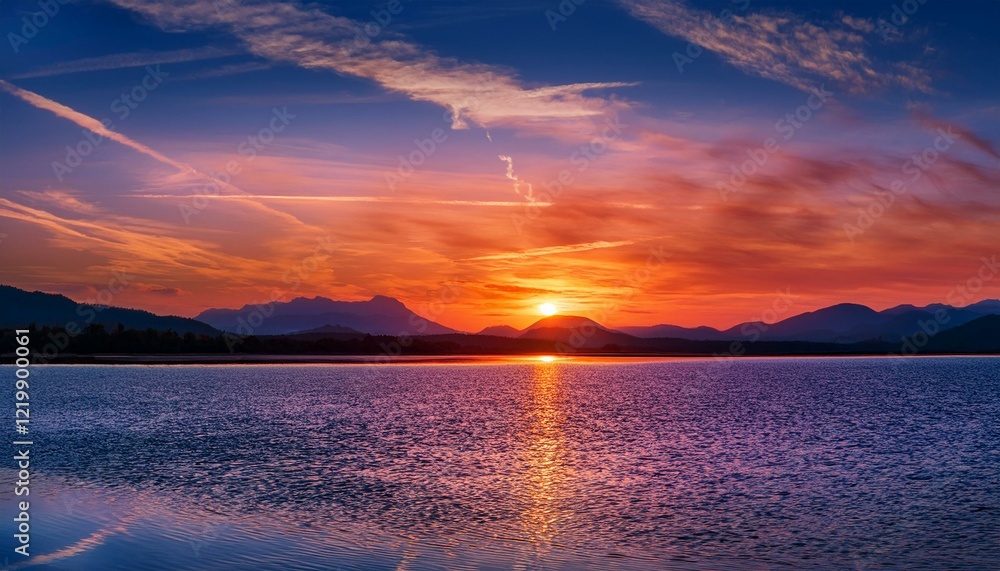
[421, 158]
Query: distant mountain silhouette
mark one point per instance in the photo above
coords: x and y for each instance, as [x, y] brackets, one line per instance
[822, 324]
[22, 308]
[985, 307]
[577, 333]
[843, 323]
[380, 315]
[500, 331]
[836, 329]
[329, 329]
[894, 326]
[563, 322]
[980, 335]
[328, 332]
[702, 333]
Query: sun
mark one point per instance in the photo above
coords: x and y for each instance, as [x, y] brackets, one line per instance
[547, 309]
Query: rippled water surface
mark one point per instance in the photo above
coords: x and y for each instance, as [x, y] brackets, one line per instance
[693, 464]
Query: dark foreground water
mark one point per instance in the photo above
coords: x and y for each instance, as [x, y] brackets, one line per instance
[696, 464]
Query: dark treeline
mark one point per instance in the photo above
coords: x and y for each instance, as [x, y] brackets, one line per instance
[52, 344]
[55, 344]
[58, 344]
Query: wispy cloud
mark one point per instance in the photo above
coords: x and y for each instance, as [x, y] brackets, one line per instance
[66, 200]
[372, 199]
[311, 38]
[89, 123]
[784, 46]
[227, 70]
[187, 175]
[552, 250]
[134, 59]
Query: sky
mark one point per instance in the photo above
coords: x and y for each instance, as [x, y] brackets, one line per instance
[634, 161]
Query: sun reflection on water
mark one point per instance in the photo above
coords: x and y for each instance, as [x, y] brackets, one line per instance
[544, 451]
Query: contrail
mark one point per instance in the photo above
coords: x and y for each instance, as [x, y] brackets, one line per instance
[517, 181]
[89, 123]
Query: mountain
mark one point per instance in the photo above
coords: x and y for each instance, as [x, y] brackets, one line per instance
[822, 324]
[563, 322]
[895, 326]
[380, 315]
[500, 331]
[985, 307]
[852, 323]
[576, 333]
[329, 329]
[22, 308]
[980, 335]
[844, 323]
[907, 307]
[702, 333]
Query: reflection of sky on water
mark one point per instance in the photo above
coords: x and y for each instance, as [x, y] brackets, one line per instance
[528, 464]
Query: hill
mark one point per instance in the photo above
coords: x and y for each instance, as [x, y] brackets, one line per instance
[380, 315]
[500, 331]
[22, 308]
[978, 336]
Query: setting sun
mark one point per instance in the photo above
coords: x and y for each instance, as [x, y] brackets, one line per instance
[547, 309]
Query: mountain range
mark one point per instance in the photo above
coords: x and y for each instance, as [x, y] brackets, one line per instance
[19, 308]
[320, 318]
[379, 315]
[843, 323]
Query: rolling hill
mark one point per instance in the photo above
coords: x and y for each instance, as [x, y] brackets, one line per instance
[21, 308]
[380, 315]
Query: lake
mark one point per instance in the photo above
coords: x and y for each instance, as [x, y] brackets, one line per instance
[785, 463]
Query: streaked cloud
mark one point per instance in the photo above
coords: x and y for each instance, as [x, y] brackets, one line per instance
[783, 46]
[553, 250]
[371, 199]
[63, 199]
[188, 175]
[311, 38]
[126, 60]
[89, 123]
[227, 70]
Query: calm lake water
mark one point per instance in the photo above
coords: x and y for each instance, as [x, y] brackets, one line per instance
[524, 464]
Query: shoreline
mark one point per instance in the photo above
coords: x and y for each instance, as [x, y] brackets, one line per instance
[245, 359]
